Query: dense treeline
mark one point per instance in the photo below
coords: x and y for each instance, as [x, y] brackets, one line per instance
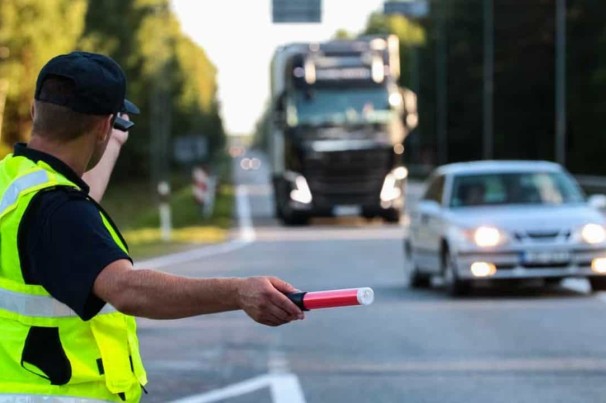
[169, 77]
[524, 82]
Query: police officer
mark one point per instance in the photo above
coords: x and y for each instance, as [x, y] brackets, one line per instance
[68, 291]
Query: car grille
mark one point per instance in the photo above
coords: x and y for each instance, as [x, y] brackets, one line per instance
[347, 177]
[546, 266]
[542, 236]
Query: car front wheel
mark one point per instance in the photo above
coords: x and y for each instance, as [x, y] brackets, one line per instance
[416, 279]
[454, 285]
[597, 283]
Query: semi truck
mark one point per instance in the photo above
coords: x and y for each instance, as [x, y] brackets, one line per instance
[338, 120]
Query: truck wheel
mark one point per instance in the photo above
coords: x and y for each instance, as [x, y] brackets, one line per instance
[292, 219]
[277, 211]
[392, 216]
[368, 215]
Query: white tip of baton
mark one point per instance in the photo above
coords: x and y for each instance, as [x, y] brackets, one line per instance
[365, 296]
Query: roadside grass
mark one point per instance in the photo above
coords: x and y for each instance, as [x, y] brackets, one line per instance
[134, 207]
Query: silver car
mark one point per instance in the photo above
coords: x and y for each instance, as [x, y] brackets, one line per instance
[505, 220]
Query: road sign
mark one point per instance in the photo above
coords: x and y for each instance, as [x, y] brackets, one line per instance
[299, 11]
[190, 148]
[408, 8]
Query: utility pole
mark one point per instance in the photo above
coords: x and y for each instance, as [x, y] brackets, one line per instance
[488, 89]
[441, 86]
[160, 113]
[560, 82]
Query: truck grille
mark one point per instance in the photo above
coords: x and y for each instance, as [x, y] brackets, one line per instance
[347, 177]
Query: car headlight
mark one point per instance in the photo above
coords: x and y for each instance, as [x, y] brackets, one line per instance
[593, 233]
[483, 236]
[488, 236]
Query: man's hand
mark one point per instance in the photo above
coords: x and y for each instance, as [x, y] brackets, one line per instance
[263, 299]
[118, 135]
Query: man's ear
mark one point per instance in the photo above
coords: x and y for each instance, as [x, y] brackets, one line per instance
[106, 127]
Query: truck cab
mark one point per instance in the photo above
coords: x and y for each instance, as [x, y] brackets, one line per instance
[338, 130]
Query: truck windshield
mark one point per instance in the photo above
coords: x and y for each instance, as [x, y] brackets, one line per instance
[338, 106]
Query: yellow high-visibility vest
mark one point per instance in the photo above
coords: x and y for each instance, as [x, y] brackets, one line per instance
[47, 353]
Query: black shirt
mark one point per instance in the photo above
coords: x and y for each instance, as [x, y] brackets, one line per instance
[63, 243]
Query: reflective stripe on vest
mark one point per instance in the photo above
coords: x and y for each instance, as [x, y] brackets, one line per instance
[44, 399]
[11, 195]
[41, 306]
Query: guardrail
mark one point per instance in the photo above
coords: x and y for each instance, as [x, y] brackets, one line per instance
[591, 184]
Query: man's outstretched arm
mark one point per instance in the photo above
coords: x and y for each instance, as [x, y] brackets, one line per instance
[159, 295]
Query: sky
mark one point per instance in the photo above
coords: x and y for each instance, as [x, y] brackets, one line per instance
[239, 38]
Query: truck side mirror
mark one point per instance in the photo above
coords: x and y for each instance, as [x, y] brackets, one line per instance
[279, 111]
[278, 119]
[410, 114]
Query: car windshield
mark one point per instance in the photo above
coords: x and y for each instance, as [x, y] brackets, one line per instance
[336, 106]
[551, 188]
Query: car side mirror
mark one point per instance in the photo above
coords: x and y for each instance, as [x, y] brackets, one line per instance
[597, 201]
[429, 206]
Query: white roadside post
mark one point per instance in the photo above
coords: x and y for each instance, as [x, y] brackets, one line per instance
[200, 186]
[165, 215]
[209, 201]
[204, 189]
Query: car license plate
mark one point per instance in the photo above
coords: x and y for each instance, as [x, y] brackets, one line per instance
[346, 210]
[546, 257]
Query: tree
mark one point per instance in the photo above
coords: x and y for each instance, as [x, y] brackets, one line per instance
[169, 77]
[33, 31]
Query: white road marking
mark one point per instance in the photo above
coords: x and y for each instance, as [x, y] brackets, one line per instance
[284, 386]
[246, 235]
[237, 389]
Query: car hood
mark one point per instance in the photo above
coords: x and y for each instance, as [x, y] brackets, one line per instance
[527, 217]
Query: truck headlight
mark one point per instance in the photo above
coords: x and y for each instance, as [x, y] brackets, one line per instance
[392, 185]
[593, 233]
[300, 189]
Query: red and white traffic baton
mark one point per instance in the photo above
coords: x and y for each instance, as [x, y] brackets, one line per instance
[332, 298]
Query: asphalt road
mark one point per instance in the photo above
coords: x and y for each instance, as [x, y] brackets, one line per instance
[498, 345]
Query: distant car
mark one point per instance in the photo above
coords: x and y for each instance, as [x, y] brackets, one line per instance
[250, 163]
[505, 220]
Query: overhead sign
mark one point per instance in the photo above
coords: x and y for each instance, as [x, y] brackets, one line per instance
[408, 8]
[296, 11]
[190, 148]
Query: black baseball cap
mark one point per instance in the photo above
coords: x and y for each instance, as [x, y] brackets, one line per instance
[99, 85]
